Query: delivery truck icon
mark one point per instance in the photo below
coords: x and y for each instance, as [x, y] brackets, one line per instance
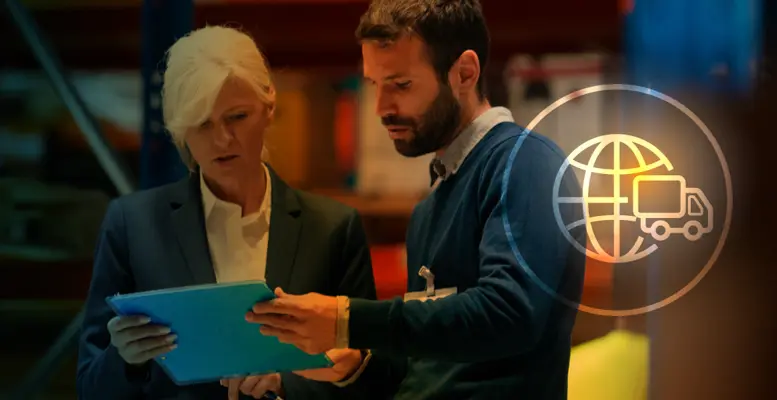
[683, 210]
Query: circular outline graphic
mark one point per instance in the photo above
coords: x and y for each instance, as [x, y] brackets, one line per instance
[726, 176]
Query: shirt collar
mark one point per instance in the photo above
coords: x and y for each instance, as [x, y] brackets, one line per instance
[210, 201]
[455, 154]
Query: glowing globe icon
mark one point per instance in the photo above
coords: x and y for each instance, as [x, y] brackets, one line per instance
[687, 203]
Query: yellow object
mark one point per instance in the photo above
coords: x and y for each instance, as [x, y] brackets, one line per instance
[613, 367]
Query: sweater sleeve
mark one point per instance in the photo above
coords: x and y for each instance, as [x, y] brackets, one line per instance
[354, 279]
[506, 312]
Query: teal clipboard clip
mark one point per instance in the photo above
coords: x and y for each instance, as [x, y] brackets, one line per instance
[214, 339]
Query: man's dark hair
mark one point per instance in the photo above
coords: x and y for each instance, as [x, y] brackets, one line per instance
[447, 27]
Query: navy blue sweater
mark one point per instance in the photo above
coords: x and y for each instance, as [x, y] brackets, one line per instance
[503, 335]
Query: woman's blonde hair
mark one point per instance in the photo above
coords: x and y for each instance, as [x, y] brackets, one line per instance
[198, 64]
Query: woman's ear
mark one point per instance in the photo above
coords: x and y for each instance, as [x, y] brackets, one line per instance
[271, 111]
[271, 103]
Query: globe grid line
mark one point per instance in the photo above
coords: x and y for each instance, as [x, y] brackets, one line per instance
[726, 223]
[602, 142]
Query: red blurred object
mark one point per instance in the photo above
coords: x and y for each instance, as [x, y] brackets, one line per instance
[388, 265]
[345, 131]
[626, 6]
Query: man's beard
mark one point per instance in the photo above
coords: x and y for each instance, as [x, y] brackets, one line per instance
[434, 130]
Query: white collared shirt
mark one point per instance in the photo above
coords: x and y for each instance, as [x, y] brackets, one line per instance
[238, 245]
[455, 154]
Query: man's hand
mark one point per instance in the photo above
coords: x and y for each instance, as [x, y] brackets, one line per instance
[255, 386]
[137, 340]
[307, 321]
[346, 362]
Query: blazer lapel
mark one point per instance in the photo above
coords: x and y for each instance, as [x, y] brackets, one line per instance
[285, 226]
[189, 226]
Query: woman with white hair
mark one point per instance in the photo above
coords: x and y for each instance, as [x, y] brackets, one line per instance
[232, 219]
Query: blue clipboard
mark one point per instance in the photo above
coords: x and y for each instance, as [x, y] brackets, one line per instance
[214, 339]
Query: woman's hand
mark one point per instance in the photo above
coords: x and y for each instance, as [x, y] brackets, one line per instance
[346, 362]
[138, 341]
[255, 386]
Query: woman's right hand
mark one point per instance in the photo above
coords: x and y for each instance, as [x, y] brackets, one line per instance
[138, 341]
[346, 362]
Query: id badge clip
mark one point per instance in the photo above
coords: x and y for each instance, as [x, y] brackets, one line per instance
[430, 293]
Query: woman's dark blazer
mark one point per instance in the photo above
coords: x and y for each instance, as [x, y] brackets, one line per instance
[156, 239]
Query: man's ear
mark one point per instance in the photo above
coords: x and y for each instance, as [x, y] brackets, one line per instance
[468, 69]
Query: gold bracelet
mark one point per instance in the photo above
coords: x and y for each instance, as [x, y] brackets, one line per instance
[341, 325]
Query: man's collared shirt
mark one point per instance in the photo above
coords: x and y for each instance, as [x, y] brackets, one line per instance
[238, 245]
[454, 155]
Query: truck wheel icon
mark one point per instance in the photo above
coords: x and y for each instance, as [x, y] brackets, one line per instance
[690, 203]
[693, 231]
[660, 230]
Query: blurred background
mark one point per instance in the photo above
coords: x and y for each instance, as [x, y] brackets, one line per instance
[80, 123]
